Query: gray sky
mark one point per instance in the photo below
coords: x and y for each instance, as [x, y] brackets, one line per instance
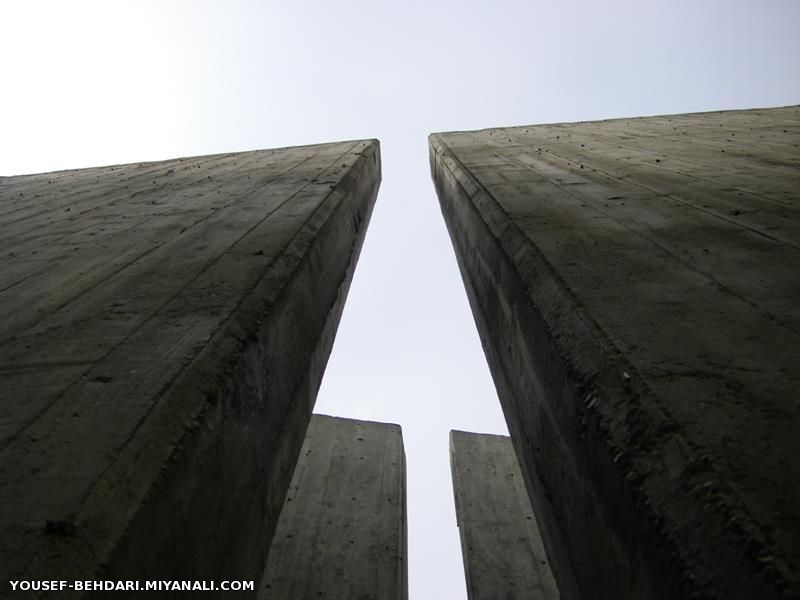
[91, 83]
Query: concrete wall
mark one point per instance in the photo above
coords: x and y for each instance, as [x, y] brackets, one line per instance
[635, 286]
[342, 530]
[504, 556]
[163, 331]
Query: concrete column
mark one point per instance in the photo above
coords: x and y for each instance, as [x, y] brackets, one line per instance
[342, 530]
[635, 284]
[504, 556]
[163, 331]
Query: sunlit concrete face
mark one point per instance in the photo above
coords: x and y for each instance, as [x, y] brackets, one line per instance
[635, 285]
[163, 332]
[502, 548]
[342, 530]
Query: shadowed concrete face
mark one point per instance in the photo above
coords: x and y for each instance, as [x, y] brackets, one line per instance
[342, 531]
[163, 331]
[635, 284]
[504, 556]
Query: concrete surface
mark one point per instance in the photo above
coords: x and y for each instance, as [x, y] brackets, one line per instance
[636, 286]
[342, 530]
[163, 331]
[504, 556]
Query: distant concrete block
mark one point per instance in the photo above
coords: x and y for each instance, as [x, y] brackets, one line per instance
[504, 557]
[635, 283]
[342, 531]
[163, 331]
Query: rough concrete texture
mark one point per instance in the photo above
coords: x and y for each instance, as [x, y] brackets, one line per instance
[504, 556]
[342, 531]
[163, 331]
[635, 283]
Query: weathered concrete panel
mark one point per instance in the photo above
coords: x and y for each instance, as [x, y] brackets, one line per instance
[163, 331]
[342, 531]
[504, 556]
[635, 283]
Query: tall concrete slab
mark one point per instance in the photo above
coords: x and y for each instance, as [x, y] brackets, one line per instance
[342, 531]
[503, 551]
[635, 284]
[163, 331]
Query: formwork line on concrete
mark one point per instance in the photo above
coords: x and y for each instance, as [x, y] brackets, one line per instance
[208, 395]
[265, 268]
[156, 193]
[677, 198]
[336, 537]
[548, 135]
[674, 252]
[170, 299]
[762, 230]
[158, 247]
[162, 168]
[777, 313]
[514, 416]
[153, 249]
[501, 545]
[136, 225]
[680, 382]
[605, 157]
[68, 201]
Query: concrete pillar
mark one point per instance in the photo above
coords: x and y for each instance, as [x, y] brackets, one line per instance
[635, 286]
[342, 530]
[163, 331]
[502, 547]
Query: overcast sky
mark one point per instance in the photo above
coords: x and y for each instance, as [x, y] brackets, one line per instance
[93, 83]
